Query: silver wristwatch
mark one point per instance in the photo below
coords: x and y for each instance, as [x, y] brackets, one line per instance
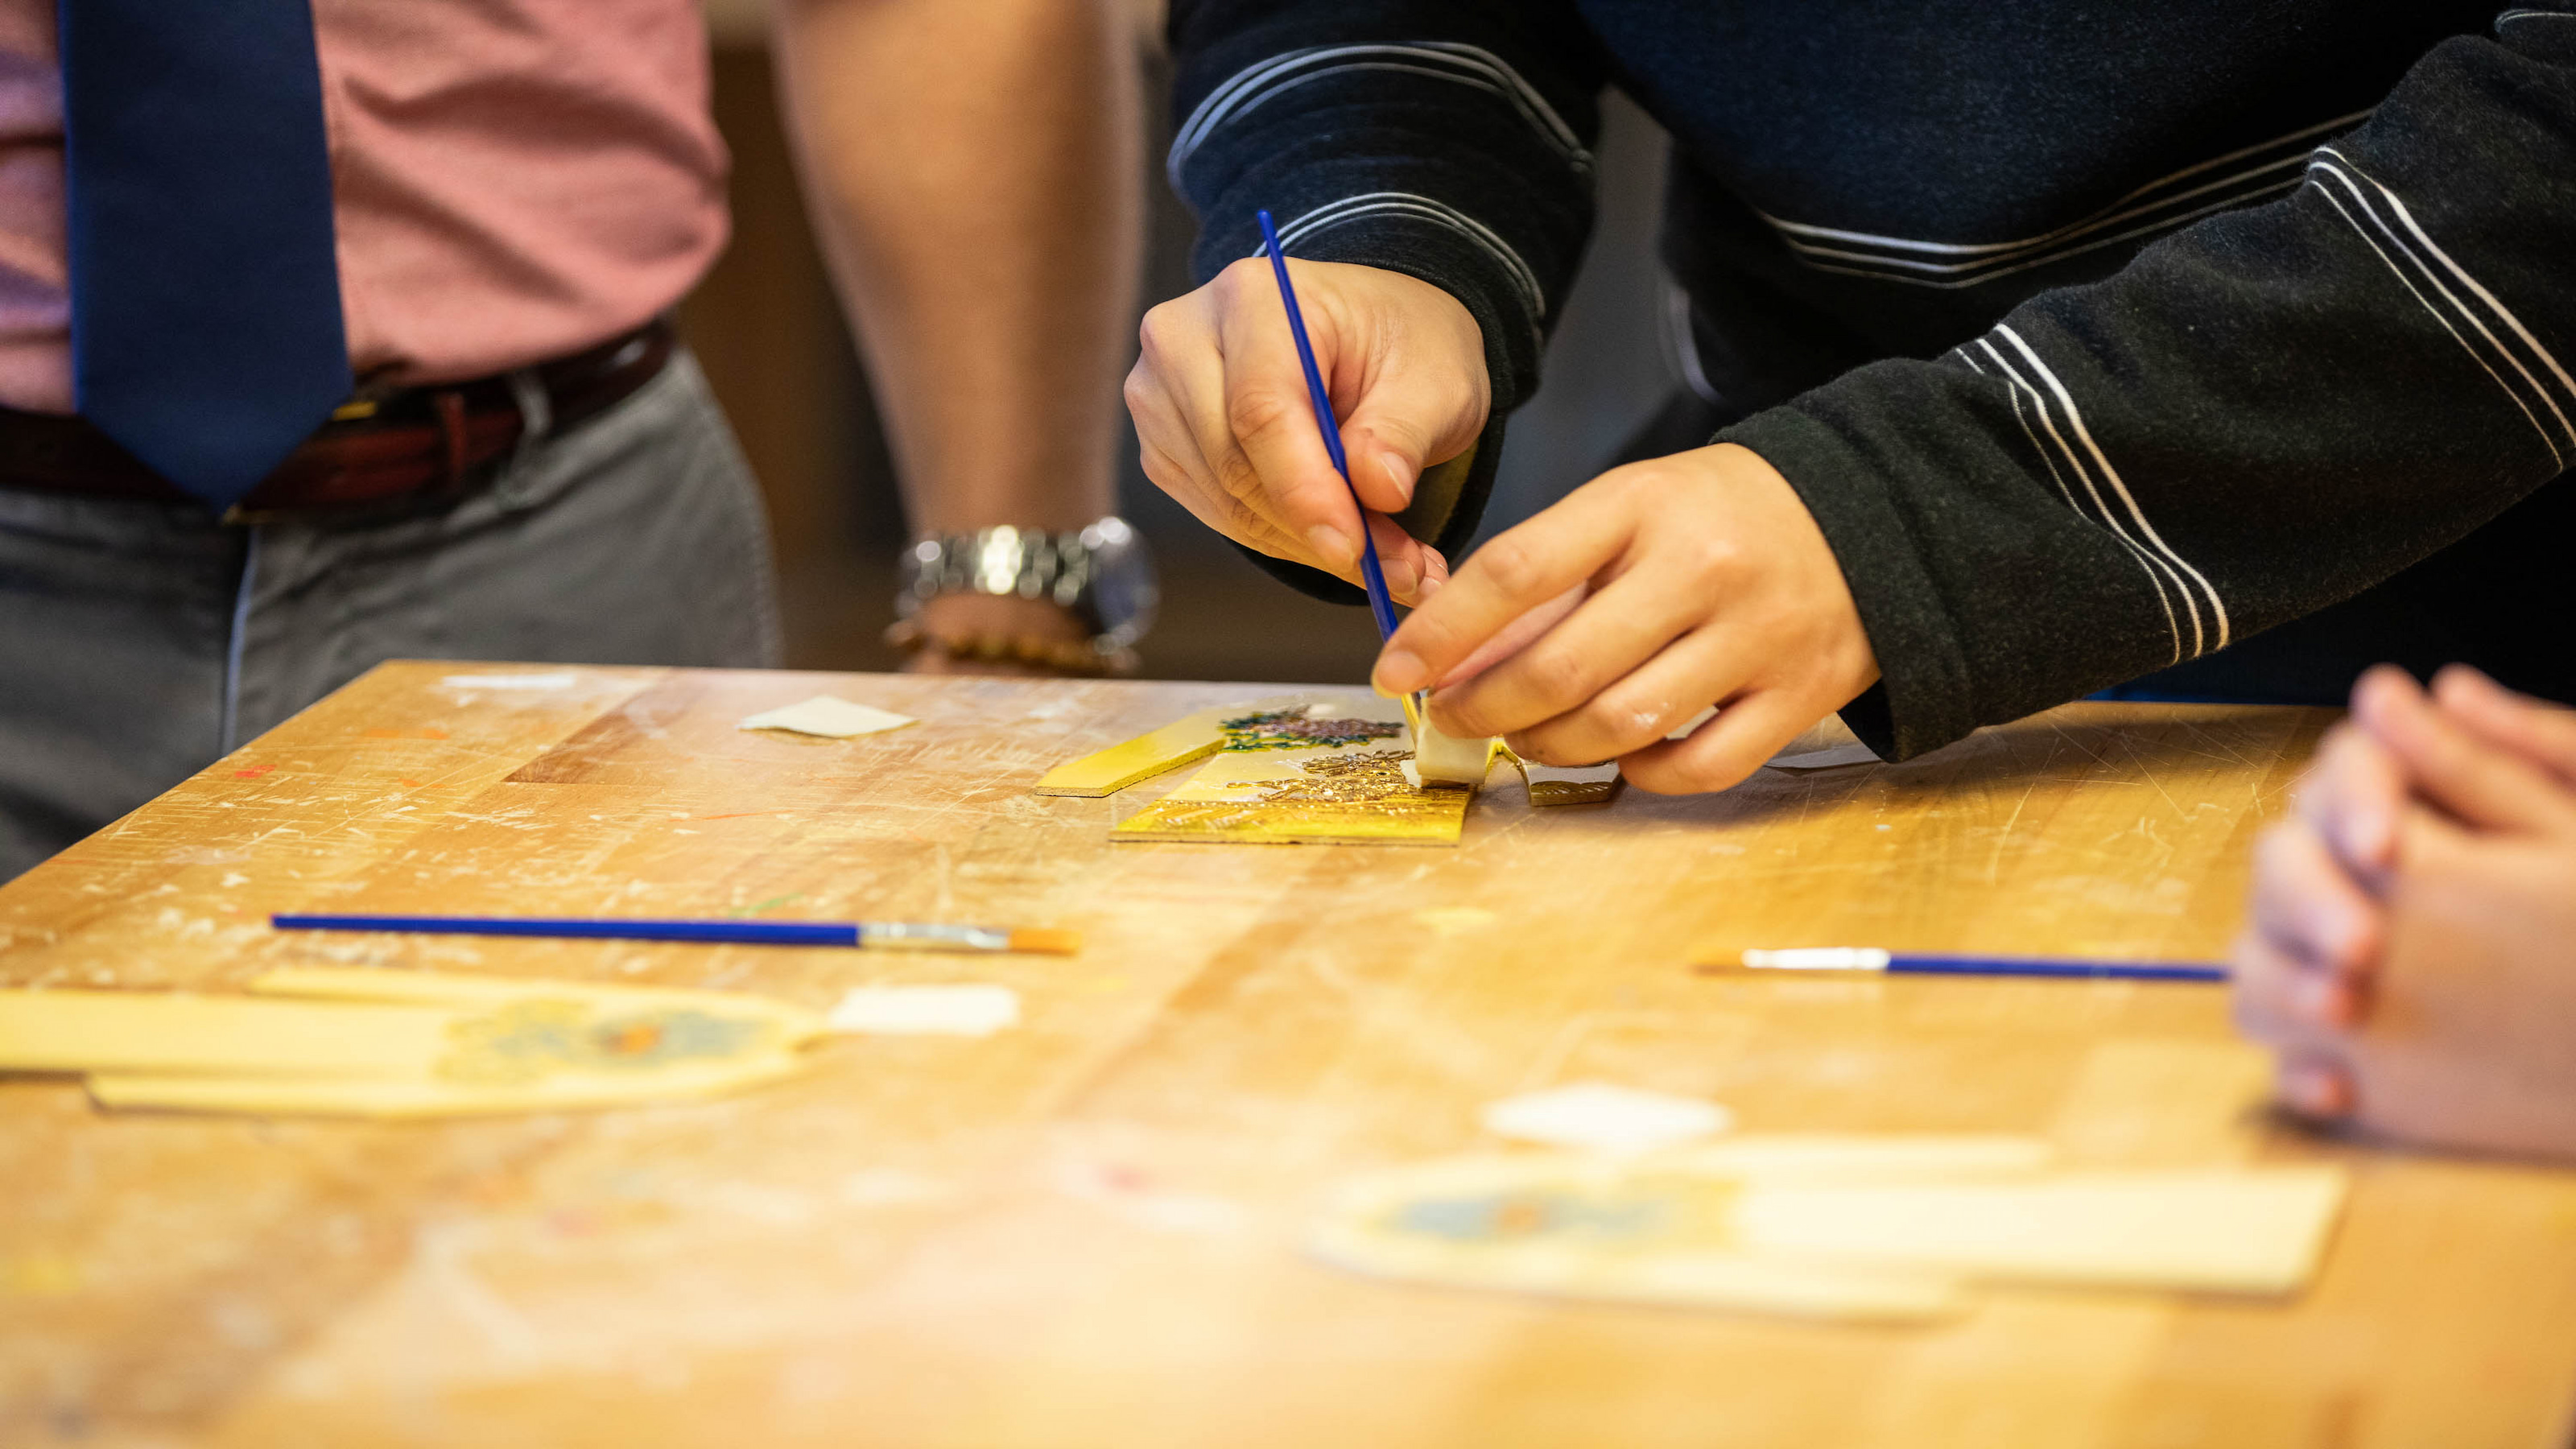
[1102, 575]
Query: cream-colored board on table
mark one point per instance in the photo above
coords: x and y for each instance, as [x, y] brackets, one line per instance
[1890, 1227]
[1829, 1157]
[89, 1031]
[451, 988]
[1717, 1280]
[1581, 1226]
[2222, 1231]
[398, 1043]
[398, 1097]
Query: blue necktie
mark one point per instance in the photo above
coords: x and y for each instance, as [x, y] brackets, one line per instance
[206, 333]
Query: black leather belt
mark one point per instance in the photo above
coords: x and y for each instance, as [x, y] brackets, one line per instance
[406, 445]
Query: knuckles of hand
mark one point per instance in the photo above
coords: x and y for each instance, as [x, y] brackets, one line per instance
[1238, 520]
[1558, 677]
[1258, 413]
[1142, 388]
[1708, 560]
[1682, 774]
[1160, 470]
[1163, 328]
[1620, 724]
[1246, 287]
[1513, 568]
[1238, 484]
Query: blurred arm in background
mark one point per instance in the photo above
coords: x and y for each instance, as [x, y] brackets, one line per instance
[973, 172]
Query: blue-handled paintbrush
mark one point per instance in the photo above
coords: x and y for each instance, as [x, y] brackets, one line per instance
[1901, 963]
[873, 935]
[1372, 577]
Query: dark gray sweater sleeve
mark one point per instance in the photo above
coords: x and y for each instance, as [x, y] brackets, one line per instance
[1445, 139]
[2260, 415]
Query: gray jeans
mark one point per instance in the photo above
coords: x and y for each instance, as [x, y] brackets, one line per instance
[141, 641]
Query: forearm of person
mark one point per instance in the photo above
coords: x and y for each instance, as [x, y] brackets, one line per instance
[2264, 413]
[972, 172]
[1444, 139]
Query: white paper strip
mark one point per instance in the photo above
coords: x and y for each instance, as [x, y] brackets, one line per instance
[1601, 1117]
[831, 718]
[1828, 743]
[926, 1010]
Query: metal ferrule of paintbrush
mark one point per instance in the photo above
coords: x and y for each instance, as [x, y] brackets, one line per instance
[926, 936]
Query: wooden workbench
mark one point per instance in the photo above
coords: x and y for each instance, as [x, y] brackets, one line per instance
[1083, 1232]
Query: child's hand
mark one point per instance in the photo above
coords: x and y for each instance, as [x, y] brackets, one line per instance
[2463, 1040]
[2315, 923]
[1691, 580]
[2427, 996]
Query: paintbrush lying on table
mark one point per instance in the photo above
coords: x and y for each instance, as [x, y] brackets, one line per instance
[868, 935]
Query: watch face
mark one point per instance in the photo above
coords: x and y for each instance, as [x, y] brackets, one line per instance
[1123, 591]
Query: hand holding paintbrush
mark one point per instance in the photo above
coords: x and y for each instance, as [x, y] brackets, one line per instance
[1439, 759]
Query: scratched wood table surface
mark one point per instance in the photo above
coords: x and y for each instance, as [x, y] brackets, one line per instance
[1084, 1231]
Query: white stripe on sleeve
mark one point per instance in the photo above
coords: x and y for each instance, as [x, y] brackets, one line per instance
[1406, 203]
[1443, 60]
[2111, 475]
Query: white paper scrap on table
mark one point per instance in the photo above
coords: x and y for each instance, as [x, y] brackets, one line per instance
[510, 681]
[926, 1010]
[1829, 743]
[1603, 1117]
[832, 718]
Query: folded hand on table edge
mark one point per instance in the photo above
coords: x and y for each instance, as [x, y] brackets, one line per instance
[2410, 951]
[1589, 633]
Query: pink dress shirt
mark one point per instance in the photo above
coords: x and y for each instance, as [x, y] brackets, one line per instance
[513, 180]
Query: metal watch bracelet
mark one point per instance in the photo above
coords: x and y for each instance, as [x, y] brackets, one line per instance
[1102, 575]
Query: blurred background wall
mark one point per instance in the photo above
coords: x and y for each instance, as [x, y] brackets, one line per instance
[770, 335]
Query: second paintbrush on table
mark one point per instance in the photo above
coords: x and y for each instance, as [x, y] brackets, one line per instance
[869, 935]
[1903, 963]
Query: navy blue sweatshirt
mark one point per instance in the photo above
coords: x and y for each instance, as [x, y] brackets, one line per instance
[2096, 338]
